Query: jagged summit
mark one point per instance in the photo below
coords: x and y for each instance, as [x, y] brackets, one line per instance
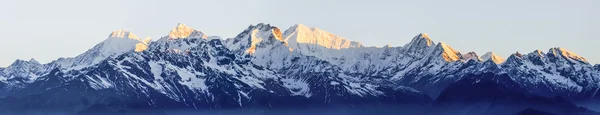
[448, 53]
[421, 39]
[302, 34]
[18, 62]
[185, 70]
[262, 26]
[22, 69]
[114, 45]
[470, 56]
[561, 52]
[183, 31]
[255, 37]
[537, 57]
[514, 59]
[517, 54]
[122, 33]
[32, 60]
[419, 43]
[537, 53]
[493, 57]
[423, 35]
[266, 32]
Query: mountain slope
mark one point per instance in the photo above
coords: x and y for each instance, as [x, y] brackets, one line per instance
[265, 67]
[119, 42]
[207, 75]
[489, 93]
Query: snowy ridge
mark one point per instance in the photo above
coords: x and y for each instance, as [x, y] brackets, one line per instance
[300, 34]
[256, 37]
[548, 70]
[183, 31]
[302, 64]
[117, 44]
[572, 57]
[22, 69]
[210, 65]
[180, 40]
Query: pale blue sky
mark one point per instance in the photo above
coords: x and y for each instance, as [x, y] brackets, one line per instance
[49, 29]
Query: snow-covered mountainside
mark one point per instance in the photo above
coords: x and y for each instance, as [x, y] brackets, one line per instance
[22, 69]
[554, 73]
[119, 42]
[488, 93]
[21, 73]
[264, 66]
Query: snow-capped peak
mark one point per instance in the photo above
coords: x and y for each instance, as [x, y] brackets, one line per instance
[448, 53]
[419, 43]
[34, 61]
[470, 56]
[538, 53]
[421, 39]
[22, 69]
[491, 56]
[561, 52]
[112, 46]
[514, 59]
[122, 33]
[183, 31]
[301, 34]
[518, 54]
[255, 37]
[19, 62]
[423, 35]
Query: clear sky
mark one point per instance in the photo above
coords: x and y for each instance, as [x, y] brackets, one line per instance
[49, 29]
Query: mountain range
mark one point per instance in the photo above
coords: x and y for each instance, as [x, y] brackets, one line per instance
[265, 67]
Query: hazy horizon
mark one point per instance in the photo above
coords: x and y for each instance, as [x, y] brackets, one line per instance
[48, 30]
